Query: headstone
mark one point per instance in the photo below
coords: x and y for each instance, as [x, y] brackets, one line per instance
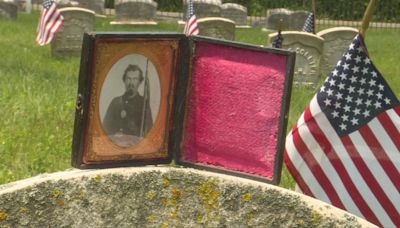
[234, 12]
[68, 40]
[291, 20]
[217, 27]
[336, 42]
[204, 8]
[160, 197]
[66, 3]
[308, 48]
[135, 10]
[96, 5]
[8, 9]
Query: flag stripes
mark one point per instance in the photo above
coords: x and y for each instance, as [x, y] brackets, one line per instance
[50, 22]
[357, 180]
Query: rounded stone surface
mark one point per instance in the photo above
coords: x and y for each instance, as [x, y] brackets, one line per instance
[233, 6]
[157, 197]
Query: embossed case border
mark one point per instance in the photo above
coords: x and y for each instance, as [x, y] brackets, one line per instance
[87, 100]
[182, 106]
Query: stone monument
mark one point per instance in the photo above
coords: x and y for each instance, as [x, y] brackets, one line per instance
[68, 40]
[204, 8]
[8, 9]
[336, 42]
[308, 48]
[291, 20]
[135, 12]
[217, 27]
[95, 5]
[234, 12]
[160, 197]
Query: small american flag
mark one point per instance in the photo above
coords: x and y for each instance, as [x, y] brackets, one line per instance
[191, 27]
[277, 43]
[309, 25]
[50, 22]
[345, 148]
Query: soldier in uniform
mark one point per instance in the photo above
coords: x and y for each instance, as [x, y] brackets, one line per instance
[128, 117]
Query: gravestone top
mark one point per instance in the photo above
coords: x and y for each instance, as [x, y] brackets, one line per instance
[234, 5]
[217, 27]
[160, 196]
[68, 40]
[308, 48]
[291, 20]
[336, 42]
[8, 9]
[214, 2]
[142, 1]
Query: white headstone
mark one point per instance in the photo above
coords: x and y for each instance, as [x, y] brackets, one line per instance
[217, 27]
[308, 48]
[336, 42]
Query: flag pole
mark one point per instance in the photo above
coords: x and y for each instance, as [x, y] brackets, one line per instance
[367, 17]
[314, 9]
[145, 98]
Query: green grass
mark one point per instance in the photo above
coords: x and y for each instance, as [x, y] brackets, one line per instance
[37, 93]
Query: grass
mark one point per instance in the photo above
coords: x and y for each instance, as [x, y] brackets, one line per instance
[37, 93]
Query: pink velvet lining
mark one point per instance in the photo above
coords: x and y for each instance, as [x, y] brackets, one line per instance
[234, 109]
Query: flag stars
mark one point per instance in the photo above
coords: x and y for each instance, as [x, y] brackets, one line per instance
[365, 70]
[356, 111]
[332, 82]
[368, 103]
[362, 81]
[335, 114]
[357, 59]
[339, 96]
[343, 76]
[346, 66]
[374, 74]
[329, 92]
[341, 85]
[348, 99]
[377, 105]
[347, 56]
[367, 61]
[345, 118]
[322, 89]
[360, 91]
[370, 92]
[354, 121]
[353, 79]
[379, 96]
[359, 101]
[335, 73]
[366, 113]
[360, 49]
[372, 82]
[381, 87]
[387, 101]
[343, 127]
[327, 102]
[355, 69]
[346, 108]
[351, 89]
[351, 47]
[337, 105]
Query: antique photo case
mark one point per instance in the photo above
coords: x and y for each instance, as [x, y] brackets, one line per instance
[234, 111]
[125, 99]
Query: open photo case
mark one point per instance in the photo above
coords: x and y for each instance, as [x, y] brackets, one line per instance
[146, 99]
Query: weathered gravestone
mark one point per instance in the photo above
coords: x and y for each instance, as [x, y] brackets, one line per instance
[336, 42]
[308, 48]
[217, 27]
[234, 12]
[66, 3]
[8, 9]
[135, 10]
[291, 20]
[204, 8]
[95, 5]
[160, 197]
[68, 40]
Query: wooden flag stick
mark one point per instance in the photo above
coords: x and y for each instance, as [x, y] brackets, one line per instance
[314, 9]
[367, 16]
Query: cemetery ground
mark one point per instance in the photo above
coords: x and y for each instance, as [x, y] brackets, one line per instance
[37, 93]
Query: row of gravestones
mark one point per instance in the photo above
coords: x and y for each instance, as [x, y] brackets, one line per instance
[316, 54]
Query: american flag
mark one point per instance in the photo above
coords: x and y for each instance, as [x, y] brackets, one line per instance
[309, 25]
[50, 22]
[277, 43]
[345, 148]
[191, 27]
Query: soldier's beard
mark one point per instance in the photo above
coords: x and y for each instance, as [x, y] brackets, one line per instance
[131, 91]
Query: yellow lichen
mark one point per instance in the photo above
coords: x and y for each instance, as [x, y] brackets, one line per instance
[61, 202]
[209, 194]
[164, 225]
[150, 219]
[150, 196]
[23, 210]
[56, 193]
[316, 218]
[247, 197]
[174, 214]
[200, 218]
[97, 178]
[166, 182]
[176, 193]
[3, 215]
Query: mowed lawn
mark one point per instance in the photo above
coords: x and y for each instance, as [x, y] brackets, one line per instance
[37, 93]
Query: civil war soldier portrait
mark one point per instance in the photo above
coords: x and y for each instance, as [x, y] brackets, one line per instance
[128, 105]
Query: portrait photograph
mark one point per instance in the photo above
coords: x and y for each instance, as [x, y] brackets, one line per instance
[130, 100]
[127, 89]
